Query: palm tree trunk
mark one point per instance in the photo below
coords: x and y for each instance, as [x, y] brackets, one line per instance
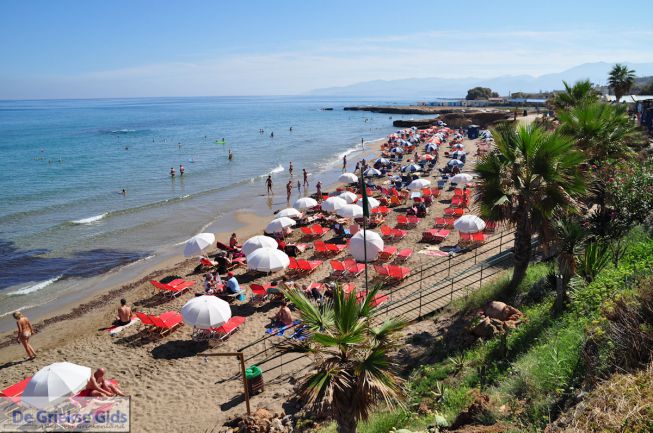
[346, 421]
[522, 250]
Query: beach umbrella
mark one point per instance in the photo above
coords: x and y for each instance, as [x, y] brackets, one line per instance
[469, 224]
[397, 150]
[372, 202]
[350, 211]
[418, 184]
[349, 197]
[372, 241]
[277, 225]
[382, 161]
[305, 203]
[256, 242]
[456, 163]
[55, 382]
[267, 260]
[458, 154]
[371, 172]
[206, 312]
[348, 178]
[198, 243]
[430, 147]
[412, 168]
[332, 204]
[458, 146]
[461, 179]
[290, 212]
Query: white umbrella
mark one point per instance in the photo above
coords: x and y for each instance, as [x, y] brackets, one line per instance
[267, 260]
[458, 154]
[196, 244]
[332, 204]
[350, 211]
[373, 242]
[290, 212]
[278, 224]
[372, 202]
[349, 197]
[456, 162]
[412, 168]
[458, 146]
[397, 150]
[371, 172]
[206, 312]
[54, 382]
[430, 147]
[348, 178]
[382, 161]
[461, 178]
[469, 224]
[256, 242]
[418, 184]
[305, 203]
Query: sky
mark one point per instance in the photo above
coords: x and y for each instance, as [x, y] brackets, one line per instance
[131, 48]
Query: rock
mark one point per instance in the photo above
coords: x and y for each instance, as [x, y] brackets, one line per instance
[276, 425]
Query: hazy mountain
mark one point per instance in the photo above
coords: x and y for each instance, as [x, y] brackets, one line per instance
[423, 88]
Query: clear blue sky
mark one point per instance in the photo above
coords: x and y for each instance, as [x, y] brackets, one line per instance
[89, 48]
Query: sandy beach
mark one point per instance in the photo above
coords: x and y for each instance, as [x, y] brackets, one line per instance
[172, 385]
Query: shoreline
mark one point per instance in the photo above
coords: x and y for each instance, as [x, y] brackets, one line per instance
[246, 222]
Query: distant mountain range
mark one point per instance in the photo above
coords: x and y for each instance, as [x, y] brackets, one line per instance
[424, 88]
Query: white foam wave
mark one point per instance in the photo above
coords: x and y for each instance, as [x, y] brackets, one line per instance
[278, 169]
[90, 220]
[34, 288]
[122, 131]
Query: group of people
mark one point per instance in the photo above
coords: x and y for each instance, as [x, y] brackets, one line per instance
[289, 185]
[181, 171]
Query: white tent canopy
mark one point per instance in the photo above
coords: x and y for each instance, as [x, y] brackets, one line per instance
[372, 240]
[254, 243]
[206, 312]
[195, 245]
[267, 260]
[54, 382]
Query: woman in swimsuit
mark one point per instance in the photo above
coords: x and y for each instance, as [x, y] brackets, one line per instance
[25, 331]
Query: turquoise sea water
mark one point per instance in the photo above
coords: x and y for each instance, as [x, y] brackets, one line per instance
[63, 218]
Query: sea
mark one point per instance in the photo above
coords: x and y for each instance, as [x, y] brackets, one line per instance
[67, 230]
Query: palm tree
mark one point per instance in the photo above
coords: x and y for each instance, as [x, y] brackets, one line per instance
[353, 369]
[621, 80]
[602, 131]
[570, 237]
[530, 174]
[574, 95]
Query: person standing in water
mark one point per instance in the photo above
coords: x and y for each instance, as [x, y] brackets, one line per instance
[181, 170]
[318, 187]
[288, 190]
[290, 168]
[344, 163]
[172, 172]
[272, 134]
[305, 177]
[299, 186]
[25, 331]
[231, 155]
[291, 129]
[268, 182]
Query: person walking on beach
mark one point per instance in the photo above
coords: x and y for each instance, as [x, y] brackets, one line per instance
[344, 163]
[288, 190]
[172, 172]
[181, 170]
[25, 331]
[290, 168]
[318, 187]
[305, 177]
[268, 182]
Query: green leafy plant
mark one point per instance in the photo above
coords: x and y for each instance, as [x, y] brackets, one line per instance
[595, 258]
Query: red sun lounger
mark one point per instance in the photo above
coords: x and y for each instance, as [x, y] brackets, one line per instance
[338, 270]
[308, 266]
[167, 322]
[387, 253]
[398, 273]
[404, 255]
[175, 287]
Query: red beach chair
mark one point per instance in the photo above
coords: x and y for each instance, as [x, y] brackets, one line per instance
[398, 273]
[308, 266]
[387, 253]
[404, 255]
[338, 270]
[166, 322]
[353, 268]
[174, 287]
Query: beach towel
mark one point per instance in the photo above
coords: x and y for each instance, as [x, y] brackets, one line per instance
[280, 330]
[433, 253]
[115, 330]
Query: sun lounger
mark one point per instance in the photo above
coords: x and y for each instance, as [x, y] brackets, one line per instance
[398, 273]
[382, 271]
[435, 192]
[449, 220]
[336, 248]
[205, 262]
[478, 238]
[321, 248]
[220, 333]
[353, 268]
[377, 300]
[442, 235]
[307, 232]
[338, 270]
[429, 235]
[387, 253]
[398, 234]
[173, 288]
[259, 294]
[13, 392]
[440, 222]
[163, 324]
[490, 226]
[308, 266]
[318, 230]
[404, 255]
[387, 232]
[293, 266]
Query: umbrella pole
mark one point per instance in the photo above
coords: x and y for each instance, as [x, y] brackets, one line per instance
[364, 228]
